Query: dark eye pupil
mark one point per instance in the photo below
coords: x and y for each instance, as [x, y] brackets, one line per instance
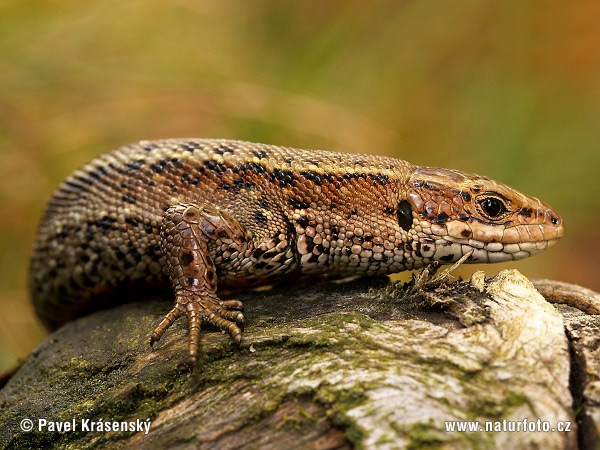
[492, 207]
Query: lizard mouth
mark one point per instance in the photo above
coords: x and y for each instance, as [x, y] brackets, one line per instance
[448, 250]
[489, 243]
[513, 252]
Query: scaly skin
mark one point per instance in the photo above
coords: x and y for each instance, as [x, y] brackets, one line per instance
[200, 213]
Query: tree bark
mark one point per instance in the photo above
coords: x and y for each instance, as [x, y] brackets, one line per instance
[322, 365]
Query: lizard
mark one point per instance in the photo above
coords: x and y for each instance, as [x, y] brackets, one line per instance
[202, 214]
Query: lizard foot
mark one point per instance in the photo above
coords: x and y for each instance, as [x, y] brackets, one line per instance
[186, 230]
[225, 315]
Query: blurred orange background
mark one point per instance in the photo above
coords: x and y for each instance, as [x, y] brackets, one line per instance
[506, 89]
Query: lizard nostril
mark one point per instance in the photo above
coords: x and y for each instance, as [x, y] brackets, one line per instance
[554, 218]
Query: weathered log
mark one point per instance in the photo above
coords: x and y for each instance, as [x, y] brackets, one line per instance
[322, 365]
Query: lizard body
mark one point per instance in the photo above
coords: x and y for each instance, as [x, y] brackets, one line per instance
[197, 213]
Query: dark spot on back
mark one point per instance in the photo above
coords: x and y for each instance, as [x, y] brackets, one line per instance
[104, 224]
[133, 166]
[223, 148]
[189, 146]
[303, 221]
[284, 177]
[378, 179]
[129, 199]
[297, 204]
[312, 176]
[270, 254]
[260, 154]
[131, 221]
[95, 174]
[215, 166]
[74, 184]
[153, 250]
[158, 168]
[260, 217]
[60, 237]
[239, 184]
[85, 180]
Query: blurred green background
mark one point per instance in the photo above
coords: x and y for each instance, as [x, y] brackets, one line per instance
[506, 89]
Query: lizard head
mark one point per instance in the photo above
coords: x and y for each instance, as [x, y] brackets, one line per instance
[451, 212]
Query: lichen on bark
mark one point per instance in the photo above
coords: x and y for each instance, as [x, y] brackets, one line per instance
[326, 365]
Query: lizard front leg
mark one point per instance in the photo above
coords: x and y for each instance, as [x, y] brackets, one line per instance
[186, 230]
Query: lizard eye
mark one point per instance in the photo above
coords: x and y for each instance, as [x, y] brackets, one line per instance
[492, 207]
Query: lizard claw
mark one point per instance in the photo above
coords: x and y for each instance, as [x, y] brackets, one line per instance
[232, 304]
